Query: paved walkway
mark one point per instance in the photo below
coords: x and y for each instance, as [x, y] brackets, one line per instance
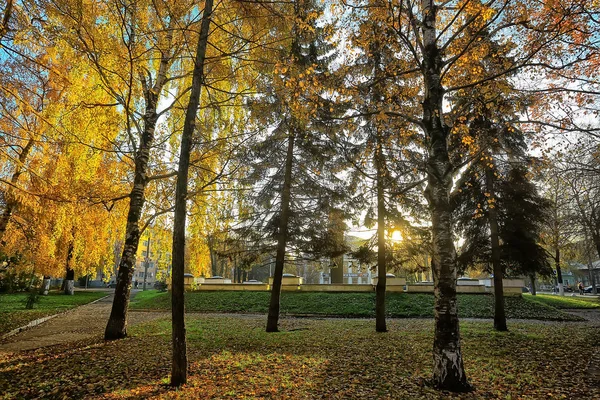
[81, 323]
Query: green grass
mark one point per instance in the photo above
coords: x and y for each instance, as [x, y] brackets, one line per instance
[13, 313]
[399, 305]
[566, 301]
[233, 357]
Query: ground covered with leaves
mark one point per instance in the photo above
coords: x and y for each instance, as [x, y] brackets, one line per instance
[14, 315]
[399, 305]
[232, 357]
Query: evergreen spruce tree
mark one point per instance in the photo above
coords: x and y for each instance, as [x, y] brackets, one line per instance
[291, 163]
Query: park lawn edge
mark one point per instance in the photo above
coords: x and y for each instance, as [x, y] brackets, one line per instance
[19, 319]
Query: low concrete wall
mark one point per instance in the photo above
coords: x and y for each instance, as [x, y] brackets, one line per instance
[468, 282]
[419, 288]
[470, 289]
[511, 287]
[233, 286]
[218, 281]
[336, 288]
[286, 280]
[513, 283]
[390, 281]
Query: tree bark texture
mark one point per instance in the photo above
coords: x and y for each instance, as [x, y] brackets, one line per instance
[591, 274]
[499, 313]
[274, 303]
[117, 322]
[533, 290]
[179, 361]
[559, 279]
[380, 289]
[70, 275]
[116, 328]
[448, 369]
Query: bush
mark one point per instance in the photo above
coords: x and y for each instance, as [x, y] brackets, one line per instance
[32, 298]
[160, 286]
[12, 281]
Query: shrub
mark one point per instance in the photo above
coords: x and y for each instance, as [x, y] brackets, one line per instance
[32, 298]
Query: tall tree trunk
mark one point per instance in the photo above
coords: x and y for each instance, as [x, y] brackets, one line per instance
[116, 328]
[69, 286]
[10, 204]
[380, 289]
[533, 290]
[561, 289]
[273, 316]
[179, 364]
[591, 264]
[448, 369]
[337, 273]
[499, 313]
[117, 322]
[213, 256]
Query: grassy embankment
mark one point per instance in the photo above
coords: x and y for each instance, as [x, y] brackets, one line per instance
[399, 305]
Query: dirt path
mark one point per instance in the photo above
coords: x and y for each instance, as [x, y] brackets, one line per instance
[81, 323]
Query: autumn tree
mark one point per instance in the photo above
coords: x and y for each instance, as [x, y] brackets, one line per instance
[132, 48]
[291, 163]
[50, 137]
[442, 39]
[382, 154]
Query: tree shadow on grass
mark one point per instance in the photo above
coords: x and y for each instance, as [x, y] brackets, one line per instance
[313, 359]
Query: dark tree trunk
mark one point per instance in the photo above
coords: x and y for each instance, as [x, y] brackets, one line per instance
[337, 273]
[273, 317]
[380, 289]
[499, 314]
[117, 322]
[116, 328]
[214, 266]
[448, 369]
[596, 240]
[533, 290]
[179, 365]
[10, 204]
[559, 279]
[69, 283]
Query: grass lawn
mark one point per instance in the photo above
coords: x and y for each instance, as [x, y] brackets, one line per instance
[13, 313]
[566, 301]
[232, 357]
[399, 305]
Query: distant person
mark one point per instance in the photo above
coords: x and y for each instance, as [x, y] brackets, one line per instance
[580, 286]
[135, 284]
